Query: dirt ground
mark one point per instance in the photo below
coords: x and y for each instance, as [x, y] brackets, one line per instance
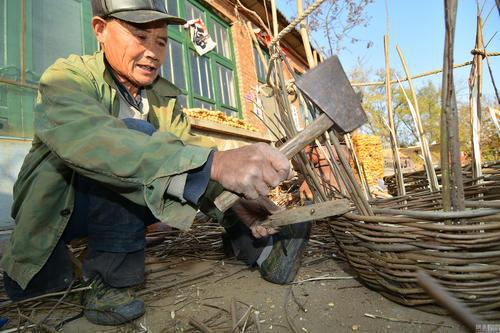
[180, 288]
[329, 305]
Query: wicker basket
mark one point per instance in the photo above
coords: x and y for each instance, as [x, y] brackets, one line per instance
[460, 249]
[417, 181]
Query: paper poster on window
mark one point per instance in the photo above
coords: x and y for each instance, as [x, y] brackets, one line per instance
[202, 41]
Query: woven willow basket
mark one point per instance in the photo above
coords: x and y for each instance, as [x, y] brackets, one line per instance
[410, 233]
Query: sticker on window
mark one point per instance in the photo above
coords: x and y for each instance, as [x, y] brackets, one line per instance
[202, 41]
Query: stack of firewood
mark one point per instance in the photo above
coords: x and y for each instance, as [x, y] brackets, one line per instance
[369, 152]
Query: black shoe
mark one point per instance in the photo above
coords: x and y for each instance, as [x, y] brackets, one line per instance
[105, 305]
[284, 260]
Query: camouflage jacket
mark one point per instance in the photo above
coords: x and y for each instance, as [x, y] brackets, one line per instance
[77, 130]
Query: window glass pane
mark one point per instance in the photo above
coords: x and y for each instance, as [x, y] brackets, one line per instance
[182, 101]
[3, 30]
[261, 73]
[193, 12]
[57, 32]
[173, 68]
[220, 36]
[172, 7]
[226, 83]
[229, 112]
[203, 105]
[3, 98]
[174, 11]
[16, 111]
[200, 75]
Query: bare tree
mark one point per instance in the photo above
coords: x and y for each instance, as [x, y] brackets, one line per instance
[335, 19]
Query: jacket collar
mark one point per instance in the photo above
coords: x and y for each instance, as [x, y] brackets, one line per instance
[160, 86]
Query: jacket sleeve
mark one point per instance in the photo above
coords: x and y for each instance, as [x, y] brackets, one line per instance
[77, 127]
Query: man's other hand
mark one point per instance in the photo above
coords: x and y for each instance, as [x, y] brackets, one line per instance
[250, 170]
[251, 212]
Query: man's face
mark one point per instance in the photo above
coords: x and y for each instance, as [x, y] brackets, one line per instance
[135, 52]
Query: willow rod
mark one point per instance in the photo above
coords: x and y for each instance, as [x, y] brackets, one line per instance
[429, 167]
[453, 194]
[396, 161]
[475, 91]
[424, 146]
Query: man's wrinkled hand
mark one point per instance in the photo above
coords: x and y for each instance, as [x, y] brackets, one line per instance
[250, 170]
[251, 212]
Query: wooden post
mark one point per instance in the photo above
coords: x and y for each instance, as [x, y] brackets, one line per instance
[392, 129]
[274, 13]
[305, 36]
[450, 158]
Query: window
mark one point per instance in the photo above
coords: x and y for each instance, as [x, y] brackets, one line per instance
[259, 66]
[52, 29]
[207, 81]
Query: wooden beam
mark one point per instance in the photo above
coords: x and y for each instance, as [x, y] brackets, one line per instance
[308, 213]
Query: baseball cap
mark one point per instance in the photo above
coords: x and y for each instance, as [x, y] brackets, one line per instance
[135, 11]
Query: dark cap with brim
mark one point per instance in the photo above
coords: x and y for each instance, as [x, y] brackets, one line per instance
[135, 11]
[146, 16]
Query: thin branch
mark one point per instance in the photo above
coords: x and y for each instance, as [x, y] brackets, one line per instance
[409, 321]
[335, 278]
[10, 303]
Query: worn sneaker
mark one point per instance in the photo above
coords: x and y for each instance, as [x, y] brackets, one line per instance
[283, 262]
[105, 305]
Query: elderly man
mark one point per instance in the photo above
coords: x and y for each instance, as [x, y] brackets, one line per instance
[112, 153]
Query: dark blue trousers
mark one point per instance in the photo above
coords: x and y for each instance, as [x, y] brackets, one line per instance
[111, 222]
[114, 227]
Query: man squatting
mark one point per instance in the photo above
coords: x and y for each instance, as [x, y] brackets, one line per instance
[113, 153]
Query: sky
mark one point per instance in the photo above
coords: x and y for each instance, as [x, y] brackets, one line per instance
[418, 28]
